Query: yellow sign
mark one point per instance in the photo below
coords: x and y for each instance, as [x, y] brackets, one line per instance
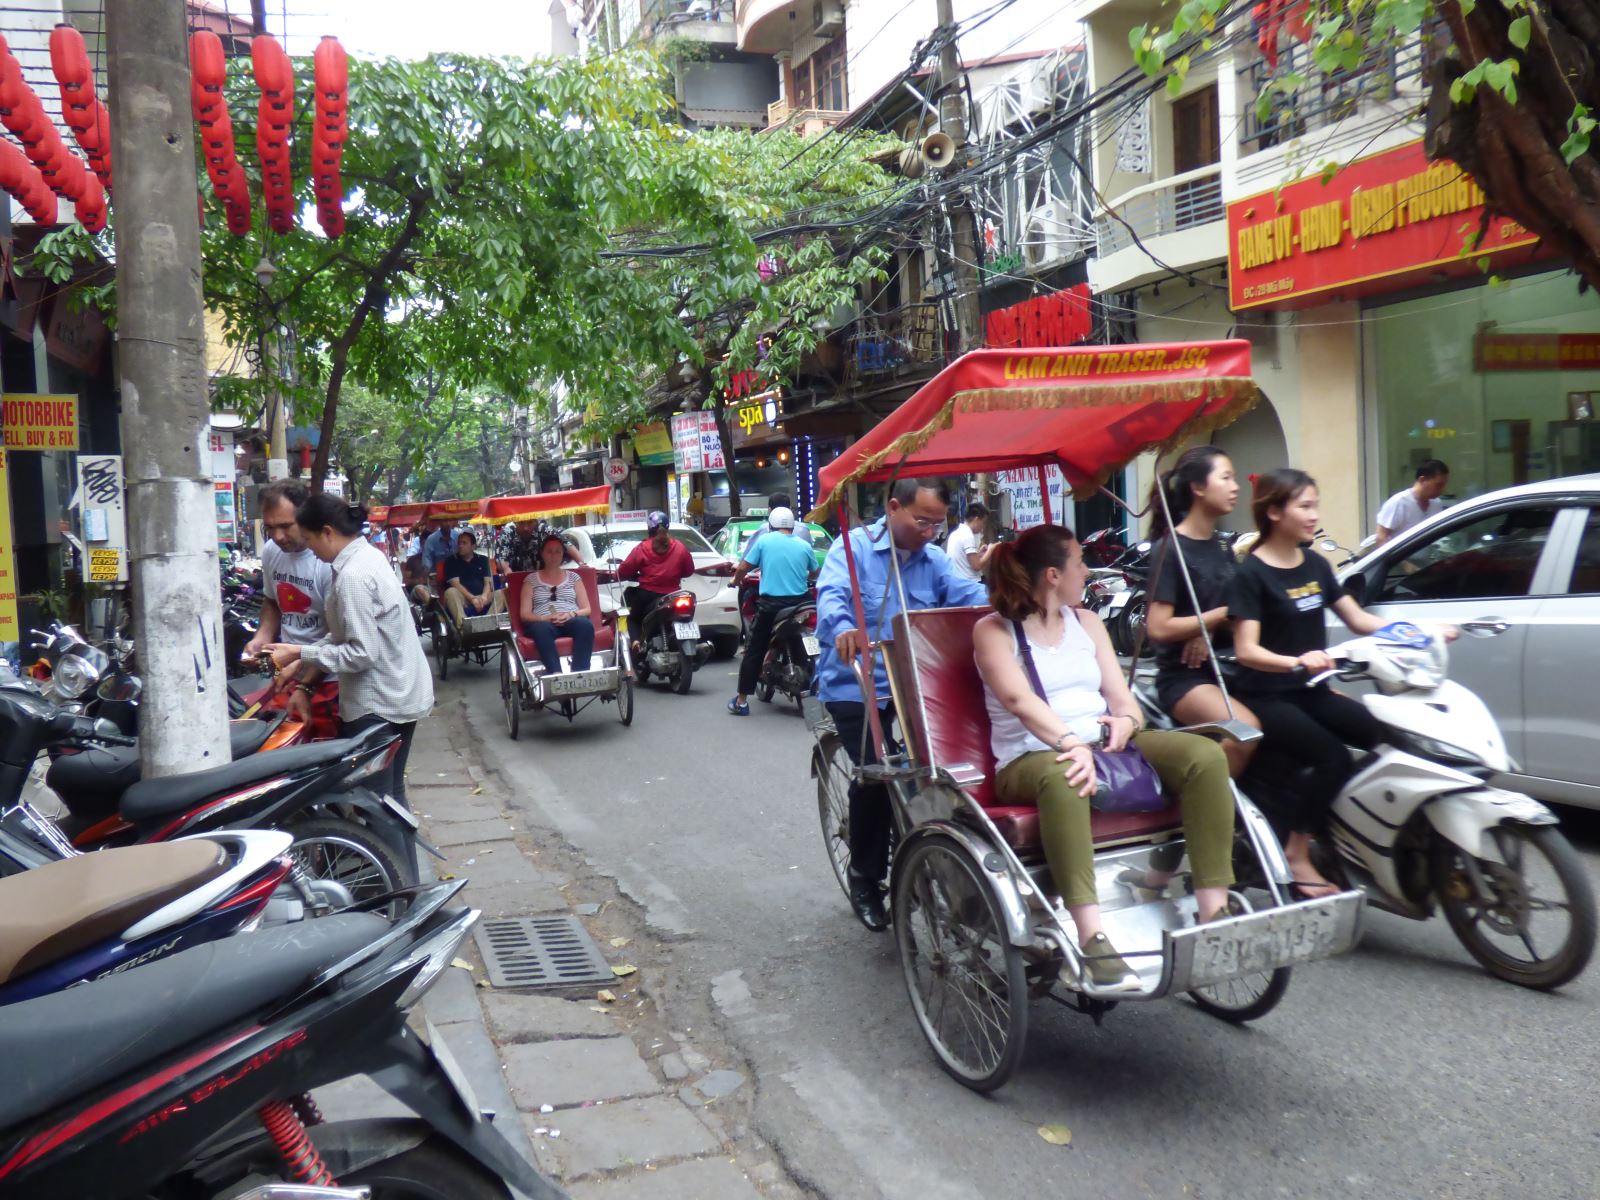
[653, 445]
[105, 566]
[40, 422]
[10, 630]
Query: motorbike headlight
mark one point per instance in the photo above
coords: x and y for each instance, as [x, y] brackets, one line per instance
[1422, 668]
[74, 676]
[1443, 751]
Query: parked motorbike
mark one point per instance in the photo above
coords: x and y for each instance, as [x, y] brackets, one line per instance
[91, 916]
[1124, 607]
[1104, 546]
[791, 661]
[669, 641]
[341, 830]
[1419, 824]
[234, 1035]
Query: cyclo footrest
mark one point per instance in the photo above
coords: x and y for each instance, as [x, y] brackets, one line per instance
[890, 772]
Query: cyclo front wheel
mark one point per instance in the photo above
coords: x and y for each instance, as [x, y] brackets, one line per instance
[831, 765]
[966, 980]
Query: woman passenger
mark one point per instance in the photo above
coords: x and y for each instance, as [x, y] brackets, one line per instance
[1201, 489]
[1042, 745]
[1279, 605]
[555, 604]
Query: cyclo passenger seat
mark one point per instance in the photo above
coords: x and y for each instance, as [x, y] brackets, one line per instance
[605, 627]
[945, 724]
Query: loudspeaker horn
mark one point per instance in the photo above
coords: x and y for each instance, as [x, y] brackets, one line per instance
[911, 162]
[938, 150]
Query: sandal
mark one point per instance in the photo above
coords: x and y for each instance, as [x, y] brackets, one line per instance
[1306, 890]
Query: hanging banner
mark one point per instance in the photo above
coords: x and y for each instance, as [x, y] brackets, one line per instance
[1027, 507]
[103, 506]
[10, 630]
[227, 522]
[696, 444]
[40, 422]
[652, 445]
[220, 444]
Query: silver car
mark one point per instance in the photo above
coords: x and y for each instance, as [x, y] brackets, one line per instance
[1528, 557]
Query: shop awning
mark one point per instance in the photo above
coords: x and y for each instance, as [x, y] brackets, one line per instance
[498, 510]
[1088, 409]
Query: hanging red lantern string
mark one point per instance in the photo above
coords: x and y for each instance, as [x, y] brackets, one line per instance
[80, 107]
[274, 117]
[208, 67]
[330, 128]
[91, 207]
[23, 115]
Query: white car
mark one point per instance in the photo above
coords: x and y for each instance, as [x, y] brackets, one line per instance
[604, 547]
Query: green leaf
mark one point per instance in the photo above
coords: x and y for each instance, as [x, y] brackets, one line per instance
[1575, 147]
[1519, 32]
[1174, 86]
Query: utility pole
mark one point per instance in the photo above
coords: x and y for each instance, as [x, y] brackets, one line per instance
[953, 123]
[165, 411]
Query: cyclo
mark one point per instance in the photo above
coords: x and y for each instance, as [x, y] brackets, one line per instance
[975, 913]
[479, 637]
[525, 685]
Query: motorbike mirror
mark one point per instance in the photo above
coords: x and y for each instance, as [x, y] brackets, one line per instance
[1328, 546]
[1143, 547]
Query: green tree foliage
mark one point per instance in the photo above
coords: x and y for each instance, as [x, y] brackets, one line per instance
[1512, 91]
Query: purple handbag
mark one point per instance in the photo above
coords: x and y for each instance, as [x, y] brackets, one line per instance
[1127, 781]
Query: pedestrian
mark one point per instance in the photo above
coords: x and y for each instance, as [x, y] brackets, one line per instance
[968, 554]
[787, 567]
[469, 582]
[1415, 504]
[555, 604]
[915, 516]
[371, 644]
[659, 563]
[295, 584]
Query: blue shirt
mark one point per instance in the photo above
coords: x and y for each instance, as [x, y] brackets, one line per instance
[786, 564]
[439, 546]
[930, 582]
[802, 532]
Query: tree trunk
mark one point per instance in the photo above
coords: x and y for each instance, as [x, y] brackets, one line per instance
[725, 435]
[372, 300]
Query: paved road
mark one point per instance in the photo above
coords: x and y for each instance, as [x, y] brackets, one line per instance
[1400, 1071]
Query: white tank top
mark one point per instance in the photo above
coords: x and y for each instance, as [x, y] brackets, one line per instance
[1070, 674]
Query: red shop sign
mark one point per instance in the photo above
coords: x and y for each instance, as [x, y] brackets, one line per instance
[1059, 319]
[1380, 224]
[1536, 352]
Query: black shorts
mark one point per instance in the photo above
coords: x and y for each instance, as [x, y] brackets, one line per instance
[1174, 683]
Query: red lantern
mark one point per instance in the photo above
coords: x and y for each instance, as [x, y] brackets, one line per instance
[13, 168]
[69, 59]
[43, 206]
[208, 63]
[13, 88]
[274, 72]
[331, 68]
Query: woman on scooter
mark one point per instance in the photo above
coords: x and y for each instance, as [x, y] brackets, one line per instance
[371, 644]
[659, 563]
[1280, 635]
[1041, 732]
[1201, 489]
[555, 604]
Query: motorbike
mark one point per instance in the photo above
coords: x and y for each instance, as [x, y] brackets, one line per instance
[1103, 547]
[1419, 825]
[791, 661]
[212, 1097]
[669, 641]
[1125, 600]
[91, 916]
[341, 830]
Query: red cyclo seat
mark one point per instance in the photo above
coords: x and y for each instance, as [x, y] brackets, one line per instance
[605, 627]
[944, 723]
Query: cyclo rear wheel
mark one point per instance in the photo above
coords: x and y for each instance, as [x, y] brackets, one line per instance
[831, 765]
[966, 980]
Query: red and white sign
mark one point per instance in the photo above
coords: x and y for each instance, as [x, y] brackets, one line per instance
[1537, 352]
[696, 444]
[616, 470]
[1380, 224]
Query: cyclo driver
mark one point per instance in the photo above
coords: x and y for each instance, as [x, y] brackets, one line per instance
[917, 513]
[296, 584]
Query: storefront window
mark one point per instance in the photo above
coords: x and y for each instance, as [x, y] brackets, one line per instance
[1500, 382]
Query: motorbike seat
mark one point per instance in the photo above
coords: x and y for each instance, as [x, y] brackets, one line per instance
[92, 781]
[153, 798]
[785, 614]
[68, 1044]
[62, 907]
[932, 650]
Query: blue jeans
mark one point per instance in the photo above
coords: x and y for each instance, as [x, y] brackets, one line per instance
[545, 633]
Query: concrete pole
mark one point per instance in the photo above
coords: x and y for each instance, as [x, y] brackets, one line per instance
[165, 411]
[278, 450]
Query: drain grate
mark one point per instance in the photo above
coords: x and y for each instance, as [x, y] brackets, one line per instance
[540, 952]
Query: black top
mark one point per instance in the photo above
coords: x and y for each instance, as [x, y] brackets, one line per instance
[1212, 567]
[473, 572]
[1290, 605]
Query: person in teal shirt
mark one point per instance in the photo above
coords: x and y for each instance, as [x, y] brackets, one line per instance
[787, 565]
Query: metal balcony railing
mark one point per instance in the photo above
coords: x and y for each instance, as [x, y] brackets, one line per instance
[1166, 206]
[882, 342]
[805, 119]
[674, 12]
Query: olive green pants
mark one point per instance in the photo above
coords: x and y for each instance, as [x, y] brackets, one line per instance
[1190, 767]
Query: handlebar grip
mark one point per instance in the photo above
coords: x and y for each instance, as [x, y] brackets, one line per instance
[116, 739]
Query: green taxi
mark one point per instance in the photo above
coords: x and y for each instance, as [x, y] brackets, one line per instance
[732, 538]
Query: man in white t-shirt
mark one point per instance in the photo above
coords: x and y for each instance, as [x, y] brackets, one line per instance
[965, 547]
[1414, 505]
[295, 585]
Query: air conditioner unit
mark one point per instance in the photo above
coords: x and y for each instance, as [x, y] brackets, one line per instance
[1049, 235]
[827, 18]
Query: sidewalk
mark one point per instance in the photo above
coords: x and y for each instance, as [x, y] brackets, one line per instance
[607, 1095]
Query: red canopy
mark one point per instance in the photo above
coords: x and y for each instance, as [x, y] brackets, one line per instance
[378, 514]
[400, 516]
[1089, 409]
[497, 510]
[452, 510]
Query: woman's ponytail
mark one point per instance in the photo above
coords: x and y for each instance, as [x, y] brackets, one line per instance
[1014, 568]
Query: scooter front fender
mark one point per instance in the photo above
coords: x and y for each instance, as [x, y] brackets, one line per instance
[1462, 818]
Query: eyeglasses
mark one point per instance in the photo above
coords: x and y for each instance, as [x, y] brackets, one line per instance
[929, 523]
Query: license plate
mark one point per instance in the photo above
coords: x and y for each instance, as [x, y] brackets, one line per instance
[1265, 941]
[1118, 601]
[568, 684]
[684, 630]
[813, 647]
